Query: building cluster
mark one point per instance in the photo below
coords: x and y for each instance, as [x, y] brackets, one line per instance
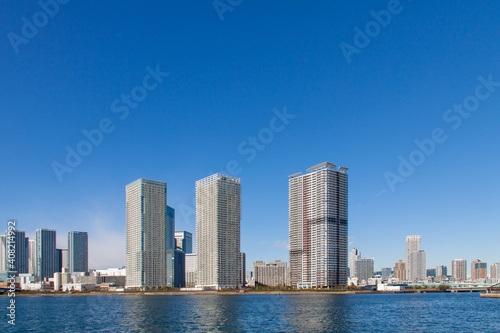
[413, 270]
[38, 264]
[158, 256]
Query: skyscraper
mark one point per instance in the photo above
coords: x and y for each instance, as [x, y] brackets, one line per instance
[459, 269]
[78, 251]
[494, 271]
[21, 244]
[3, 243]
[353, 256]
[418, 269]
[412, 245]
[184, 241]
[318, 226]
[364, 268]
[149, 234]
[218, 216]
[32, 257]
[478, 270]
[46, 253]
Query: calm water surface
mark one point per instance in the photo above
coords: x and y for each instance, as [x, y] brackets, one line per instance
[444, 312]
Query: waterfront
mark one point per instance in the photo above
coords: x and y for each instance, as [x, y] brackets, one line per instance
[437, 312]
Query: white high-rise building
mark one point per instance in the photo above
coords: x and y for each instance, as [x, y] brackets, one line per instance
[318, 226]
[354, 255]
[32, 269]
[191, 266]
[218, 217]
[418, 264]
[412, 245]
[459, 269]
[149, 234]
[3, 241]
[364, 268]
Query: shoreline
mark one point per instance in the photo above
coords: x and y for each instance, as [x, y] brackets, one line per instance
[196, 293]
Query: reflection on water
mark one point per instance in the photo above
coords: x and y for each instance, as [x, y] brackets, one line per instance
[257, 313]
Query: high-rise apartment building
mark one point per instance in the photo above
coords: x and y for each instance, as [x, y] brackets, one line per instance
[353, 256]
[32, 268]
[441, 271]
[400, 270]
[46, 253]
[418, 269]
[386, 272]
[412, 245]
[243, 269]
[3, 262]
[21, 246]
[318, 226]
[218, 217]
[78, 251]
[148, 234]
[478, 270]
[364, 268]
[495, 271]
[459, 269]
[191, 267]
[184, 241]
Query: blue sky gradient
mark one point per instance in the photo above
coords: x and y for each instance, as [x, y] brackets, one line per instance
[225, 79]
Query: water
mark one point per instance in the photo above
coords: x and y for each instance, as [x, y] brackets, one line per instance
[443, 312]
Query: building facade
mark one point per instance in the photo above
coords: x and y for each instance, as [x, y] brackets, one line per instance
[78, 251]
[318, 223]
[353, 256]
[459, 269]
[191, 267]
[418, 263]
[364, 268]
[400, 270]
[441, 271]
[412, 245]
[46, 253]
[21, 243]
[32, 268]
[478, 270]
[218, 217]
[148, 234]
[184, 241]
[272, 274]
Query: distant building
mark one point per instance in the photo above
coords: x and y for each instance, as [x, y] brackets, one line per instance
[412, 245]
[243, 268]
[64, 259]
[418, 266]
[47, 260]
[478, 270]
[32, 269]
[459, 269]
[318, 226]
[2, 254]
[21, 245]
[273, 274]
[149, 235]
[353, 256]
[190, 269]
[218, 217]
[431, 272]
[400, 271]
[495, 271]
[386, 272]
[78, 251]
[364, 268]
[112, 272]
[184, 241]
[180, 269]
[441, 271]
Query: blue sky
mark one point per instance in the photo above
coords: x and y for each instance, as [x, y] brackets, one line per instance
[225, 78]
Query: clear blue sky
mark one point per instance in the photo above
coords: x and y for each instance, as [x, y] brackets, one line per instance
[225, 78]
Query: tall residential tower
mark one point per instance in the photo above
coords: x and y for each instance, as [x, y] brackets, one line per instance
[318, 226]
[218, 216]
[78, 251]
[149, 234]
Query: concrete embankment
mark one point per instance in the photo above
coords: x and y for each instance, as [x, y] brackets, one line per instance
[490, 295]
